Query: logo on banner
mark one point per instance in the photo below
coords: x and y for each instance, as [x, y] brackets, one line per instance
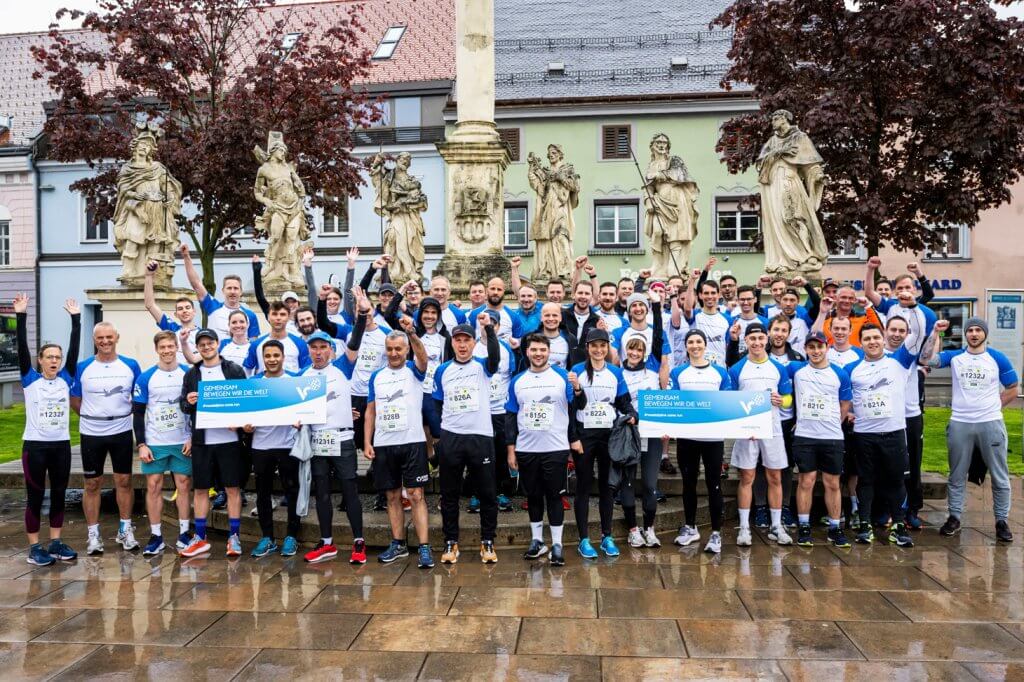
[756, 401]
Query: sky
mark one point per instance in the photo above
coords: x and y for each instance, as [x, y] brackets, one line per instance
[36, 15]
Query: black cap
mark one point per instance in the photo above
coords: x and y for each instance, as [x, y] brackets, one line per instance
[430, 301]
[597, 335]
[463, 329]
[755, 328]
[387, 288]
[816, 336]
[493, 314]
[207, 333]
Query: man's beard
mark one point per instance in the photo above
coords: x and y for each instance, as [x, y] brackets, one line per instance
[306, 331]
[495, 301]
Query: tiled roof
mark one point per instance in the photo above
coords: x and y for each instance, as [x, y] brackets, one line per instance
[609, 48]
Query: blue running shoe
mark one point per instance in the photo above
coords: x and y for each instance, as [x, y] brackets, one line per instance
[761, 517]
[264, 547]
[474, 505]
[426, 558]
[608, 546]
[183, 540]
[221, 500]
[290, 546]
[395, 551]
[37, 556]
[504, 504]
[913, 520]
[154, 546]
[58, 550]
[586, 549]
[789, 520]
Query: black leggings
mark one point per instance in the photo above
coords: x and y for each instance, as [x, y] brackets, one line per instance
[543, 478]
[265, 463]
[39, 459]
[650, 462]
[323, 470]
[595, 447]
[690, 454]
[883, 462]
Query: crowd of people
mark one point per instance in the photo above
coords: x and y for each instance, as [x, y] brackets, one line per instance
[486, 395]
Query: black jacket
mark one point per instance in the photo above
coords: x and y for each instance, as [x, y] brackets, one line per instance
[578, 352]
[191, 383]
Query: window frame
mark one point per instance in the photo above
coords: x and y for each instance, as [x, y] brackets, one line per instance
[617, 202]
[334, 234]
[601, 137]
[84, 225]
[392, 43]
[5, 243]
[860, 254]
[963, 252]
[518, 158]
[525, 206]
[738, 213]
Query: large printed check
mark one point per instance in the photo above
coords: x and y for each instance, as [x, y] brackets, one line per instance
[262, 402]
[705, 414]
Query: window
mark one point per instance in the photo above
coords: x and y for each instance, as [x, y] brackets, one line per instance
[5, 242]
[515, 227]
[510, 136]
[736, 223]
[849, 249]
[95, 230]
[389, 42]
[615, 142]
[951, 242]
[957, 312]
[616, 225]
[289, 41]
[336, 220]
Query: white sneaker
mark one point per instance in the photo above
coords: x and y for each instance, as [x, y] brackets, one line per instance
[95, 545]
[743, 537]
[126, 539]
[714, 545]
[275, 502]
[687, 536]
[780, 535]
[651, 538]
[635, 539]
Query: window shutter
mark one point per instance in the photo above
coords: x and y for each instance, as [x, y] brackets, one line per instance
[615, 141]
[510, 136]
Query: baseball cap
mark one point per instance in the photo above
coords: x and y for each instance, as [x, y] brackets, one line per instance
[387, 289]
[290, 294]
[830, 282]
[755, 328]
[319, 336]
[816, 336]
[493, 314]
[597, 335]
[462, 329]
[207, 333]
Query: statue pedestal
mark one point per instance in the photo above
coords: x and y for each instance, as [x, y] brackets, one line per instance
[124, 308]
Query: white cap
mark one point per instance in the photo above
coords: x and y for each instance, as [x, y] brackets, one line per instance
[290, 294]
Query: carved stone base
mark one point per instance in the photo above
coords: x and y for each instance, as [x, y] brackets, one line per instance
[124, 308]
[461, 270]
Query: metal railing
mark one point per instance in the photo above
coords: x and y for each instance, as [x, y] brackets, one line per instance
[383, 136]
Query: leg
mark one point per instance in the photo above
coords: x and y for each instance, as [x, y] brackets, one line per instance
[960, 445]
[263, 466]
[605, 494]
[122, 457]
[59, 467]
[833, 498]
[94, 454]
[688, 456]
[33, 463]
[744, 492]
[553, 470]
[395, 514]
[774, 477]
[154, 497]
[183, 484]
[125, 494]
[531, 475]
[584, 482]
[760, 489]
[627, 496]
[321, 472]
[650, 463]
[805, 492]
[452, 465]
[346, 469]
[481, 463]
[712, 454]
[992, 442]
[419, 513]
[288, 470]
[866, 476]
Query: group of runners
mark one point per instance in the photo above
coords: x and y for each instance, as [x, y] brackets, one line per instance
[487, 395]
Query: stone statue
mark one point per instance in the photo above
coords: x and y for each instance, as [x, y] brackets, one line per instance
[553, 227]
[671, 210]
[148, 201]
[400, 201]
[791, 181]
[283, 223]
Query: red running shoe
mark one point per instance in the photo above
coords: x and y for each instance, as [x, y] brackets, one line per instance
[322, 552]
[525, 504]
[358, 553]
[565, 503]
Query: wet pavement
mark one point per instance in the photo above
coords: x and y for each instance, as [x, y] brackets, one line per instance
[948, 609]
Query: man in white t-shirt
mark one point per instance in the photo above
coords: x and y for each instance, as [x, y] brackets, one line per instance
[217, 311]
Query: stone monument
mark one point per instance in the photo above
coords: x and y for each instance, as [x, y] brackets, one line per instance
[553, 227]
[475, 158]
[401, 202]
[790, 173]
[671, 210]
[283, 223]
[148, 203]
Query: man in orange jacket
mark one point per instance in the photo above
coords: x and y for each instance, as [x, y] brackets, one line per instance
[844, 306]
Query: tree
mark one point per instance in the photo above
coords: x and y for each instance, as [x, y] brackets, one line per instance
[917, 107]
[218, 74]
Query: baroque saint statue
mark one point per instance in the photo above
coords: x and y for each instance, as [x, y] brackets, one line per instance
[283, 223]
[553, 227]
[791, 178]
[671, 210]
[148, 203]
[401, 202]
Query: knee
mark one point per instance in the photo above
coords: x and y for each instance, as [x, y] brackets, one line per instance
[807, 482]
[415, 494]
[747, 476]
[92, 485]
[122, 481]
[154, 486]
[831, 483]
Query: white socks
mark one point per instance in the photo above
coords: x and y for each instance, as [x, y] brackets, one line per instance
[537, 530]
[155, 529]
[776, 518]
[556, 535]
[182, 526]
[327, 541]
[744, 518]
[94, 530]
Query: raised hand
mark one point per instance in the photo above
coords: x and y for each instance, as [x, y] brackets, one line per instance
[388, 260]
[590, 270]
[183, 337]
[574, 380]
[255, 258]
[581, 262]
[710, 264]
[764, 281]
[183, 250]
[325, 290]
[602, 325]
[307, 257]
[407, 324]
[645, 273]
[484, 319]
[516, 262]
[798, 281]
[874, 263]
[351, 255]
[71, 306]
[655, 295]
[379, 263]
[21, 303]
[827, 304]
[151, 267]
[914, 268]
[734, 331]
[941, 325]
[696, 274]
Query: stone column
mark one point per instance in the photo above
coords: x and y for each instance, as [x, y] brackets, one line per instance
[475, 158]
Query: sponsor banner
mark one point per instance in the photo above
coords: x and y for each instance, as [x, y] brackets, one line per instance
[262, 402]
[705, 415]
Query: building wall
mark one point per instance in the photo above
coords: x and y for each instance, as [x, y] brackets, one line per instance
[18, 205]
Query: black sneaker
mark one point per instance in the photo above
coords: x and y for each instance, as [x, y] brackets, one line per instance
[899, 536]
[838, 538]
[379, 504]
[1003, 533]
[556, 558]
[667, 467]
[537, 550]
[803, 537]
[951, 527]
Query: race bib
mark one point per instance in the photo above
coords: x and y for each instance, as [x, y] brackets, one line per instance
[463, 399]
[817, 407]
[393, 418]
[326, 443]
[598, 416]
[973, 378]
[52, 414]
[369, 359]
[878, 405]
[497, 389]
[168, 418]
[428, 378]
[539, 417]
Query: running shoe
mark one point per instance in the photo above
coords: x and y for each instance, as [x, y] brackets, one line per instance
[635, 538]
[714, 545]
[126, 538]
[838, 538]
[565, 503]
[255, 511]
[525, 505]
[803, 537]
[744, 538]
[779, 535]
[865, 534]
[450, 555]
[899, 536]
[1003, 533]
[951, 527]
[474, 505]
[407, 504]
[660, 496]
[586, 549]
[358, 555]
[761, 517]
[396, 550]
[290, 546]
[264, 547]
[212, 493]
[487, 553]
[183, 540]
[788, 519]
[536, 550]
[687, 536]
[380, 503]
[557, 558]
[196, 547]
[651, 538]
[608, 546]
[37, 556]
[504, 503]
[826, 521]
[426, 558]
[667, 467]
[323, 552]
[913, 520]
[234, 546]
[94, 546]
[220, 501]
[58, 550]
[154, 546]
